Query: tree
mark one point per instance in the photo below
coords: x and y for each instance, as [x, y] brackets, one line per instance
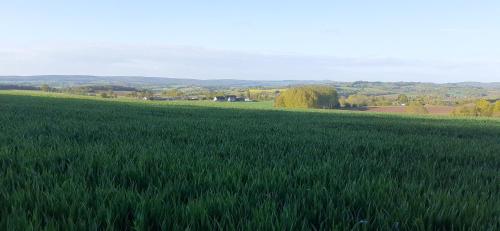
[111, 94]
[402, 99]
[307, 97]
[343, 102]
[45, 87]
[327, 97]
[416, 108]
[146, 94]
[381, 101]
[279, 101]
[496, 109]
[247, 94]
[132, 94]
[357, 100]
[484, 108]
[465, 110]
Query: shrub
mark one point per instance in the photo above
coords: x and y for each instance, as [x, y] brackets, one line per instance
[416, 108]
[465, 110]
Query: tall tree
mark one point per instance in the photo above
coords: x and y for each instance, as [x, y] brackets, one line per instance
[402, 99]
[484, 108]
[357, 100]
[496, 109]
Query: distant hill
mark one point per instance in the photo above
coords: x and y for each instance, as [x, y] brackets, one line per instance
[139, 81]
[460, 90]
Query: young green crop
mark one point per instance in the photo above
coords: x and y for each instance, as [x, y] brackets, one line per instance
[90, 163]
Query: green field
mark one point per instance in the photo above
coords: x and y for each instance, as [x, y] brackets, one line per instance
[85, 163]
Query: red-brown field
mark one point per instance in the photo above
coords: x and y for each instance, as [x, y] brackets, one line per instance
[435, 110]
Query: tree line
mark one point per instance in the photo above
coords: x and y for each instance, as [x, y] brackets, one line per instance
[481, 107]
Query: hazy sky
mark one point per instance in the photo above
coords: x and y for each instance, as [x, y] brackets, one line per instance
[438, 41]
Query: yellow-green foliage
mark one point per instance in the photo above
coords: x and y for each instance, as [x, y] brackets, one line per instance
[270, 91]
[484, 108]
[263, 94]
[496, 109]
[465, 110]
[343, 102]
[416, 108]
[402, 99]
[308, 97]
[357, 100]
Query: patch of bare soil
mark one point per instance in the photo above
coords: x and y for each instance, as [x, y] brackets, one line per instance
[434, 110]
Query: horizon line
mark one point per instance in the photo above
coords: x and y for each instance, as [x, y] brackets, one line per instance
[234, 79]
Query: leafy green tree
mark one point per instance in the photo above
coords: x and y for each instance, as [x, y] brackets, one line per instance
[358, 100]
[484, 108]
[343, 102]
[381, 101]
[327, 97]
[402, 99]
[308, 97]
[496, 109]
[279, 101]
[416, 108]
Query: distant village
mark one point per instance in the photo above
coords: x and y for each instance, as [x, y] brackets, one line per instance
[226, 98]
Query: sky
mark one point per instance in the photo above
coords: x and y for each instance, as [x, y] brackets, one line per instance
[426, 41]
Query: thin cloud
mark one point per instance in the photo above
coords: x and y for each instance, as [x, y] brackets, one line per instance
[202, 63]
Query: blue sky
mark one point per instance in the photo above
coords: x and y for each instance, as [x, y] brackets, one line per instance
[437, 41]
